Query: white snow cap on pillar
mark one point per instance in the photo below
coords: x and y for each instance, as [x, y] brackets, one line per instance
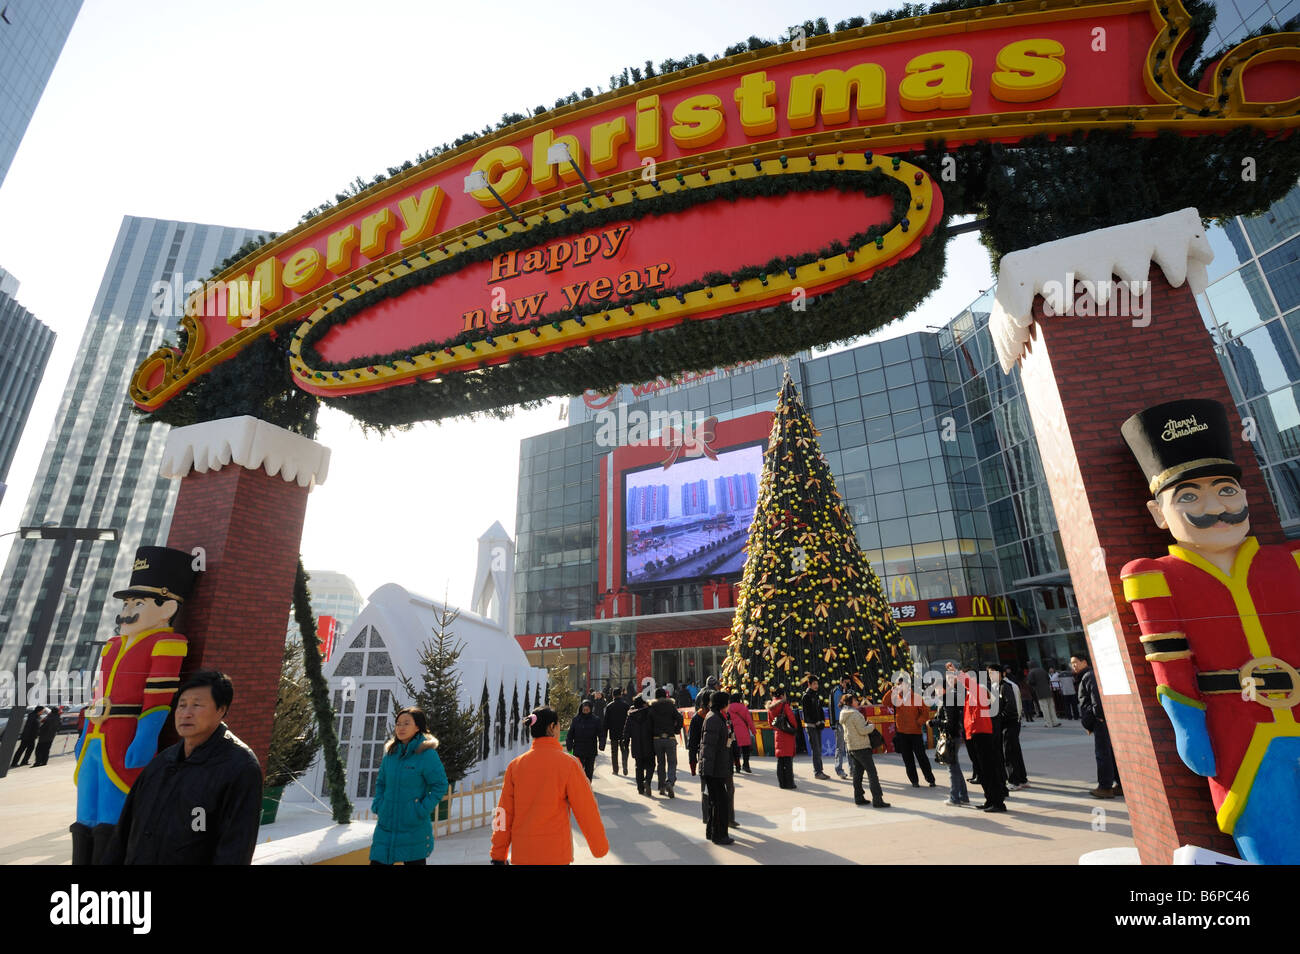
[248, 442]
[1176, 242]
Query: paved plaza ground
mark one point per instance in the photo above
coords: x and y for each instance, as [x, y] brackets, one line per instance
[1053, 821]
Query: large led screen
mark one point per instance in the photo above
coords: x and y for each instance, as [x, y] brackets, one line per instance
[691, 520]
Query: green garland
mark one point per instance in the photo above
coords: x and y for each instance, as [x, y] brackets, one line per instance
[320, 698]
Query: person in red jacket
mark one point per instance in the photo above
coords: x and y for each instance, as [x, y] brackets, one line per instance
[777, 708]
[541, 788]
[978, 722]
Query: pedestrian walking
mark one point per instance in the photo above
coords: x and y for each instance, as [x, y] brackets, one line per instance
[598, 703]
[45, 735]
[785, 725]
[857, 739]
[694, 734]
[837, 695]
[742, 724]
[949, 719]
[1024, 691]
[814, 720]
[1093, 719]
[1041, 683]
[978, 724]
[613, 725]
[640, 734]
[542, 788]
[584, 737]
[27, 741]
[911, 715]
[716, 769]
[410, 785]
[1012, 757]
[1069, 694]
[666, 722]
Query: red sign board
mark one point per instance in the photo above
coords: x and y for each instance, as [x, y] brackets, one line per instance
[571, 639]
[326, 631]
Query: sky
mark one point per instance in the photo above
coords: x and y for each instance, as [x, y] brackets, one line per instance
[247, 114]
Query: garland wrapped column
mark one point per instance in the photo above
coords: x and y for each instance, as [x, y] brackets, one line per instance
[809, 601]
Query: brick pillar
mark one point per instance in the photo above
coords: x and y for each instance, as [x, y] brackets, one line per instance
[1083, 377]
[243, 498]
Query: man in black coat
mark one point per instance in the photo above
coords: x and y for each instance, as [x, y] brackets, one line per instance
[1093, 719]
[45, 737]
[666, 720]
[583, 737]
[199, 802]
[715, 770]
[613, 724]
[640, 734]
[814, 720]
[27, 741]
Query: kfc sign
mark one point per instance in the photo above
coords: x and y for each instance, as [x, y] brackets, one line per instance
[540, 642]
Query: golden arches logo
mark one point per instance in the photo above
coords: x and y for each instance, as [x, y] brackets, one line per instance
[979, 606]
[901, 588]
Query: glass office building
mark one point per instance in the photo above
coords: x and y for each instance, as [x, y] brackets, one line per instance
[25, 345]
[31, 38]
[101, 461]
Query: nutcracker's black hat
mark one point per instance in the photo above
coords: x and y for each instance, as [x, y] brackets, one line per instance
[1181, 440]
[160, 572]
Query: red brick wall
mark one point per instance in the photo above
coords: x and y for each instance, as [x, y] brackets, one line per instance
[1083, 378]
[647, 643]
[250, 525]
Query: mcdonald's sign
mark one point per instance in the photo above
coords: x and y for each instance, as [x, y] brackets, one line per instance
[901, 588]
[979, 607]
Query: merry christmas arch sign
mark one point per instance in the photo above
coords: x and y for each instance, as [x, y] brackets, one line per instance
[740, 208]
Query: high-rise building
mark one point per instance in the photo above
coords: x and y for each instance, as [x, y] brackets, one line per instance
[32, 34]
[25, 345]
[332, 594]
[100, 466]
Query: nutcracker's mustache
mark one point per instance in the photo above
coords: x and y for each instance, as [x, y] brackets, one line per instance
[1207, 520]
[128, 620]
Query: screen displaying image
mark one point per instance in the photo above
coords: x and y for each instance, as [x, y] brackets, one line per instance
[691, 520]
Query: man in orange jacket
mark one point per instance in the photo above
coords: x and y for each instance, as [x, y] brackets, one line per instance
[541, 788]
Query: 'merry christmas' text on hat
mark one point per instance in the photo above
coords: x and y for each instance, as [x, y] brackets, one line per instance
[160, 572]
[1181, 440]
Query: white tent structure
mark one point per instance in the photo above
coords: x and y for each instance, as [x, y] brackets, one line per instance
[384, 643]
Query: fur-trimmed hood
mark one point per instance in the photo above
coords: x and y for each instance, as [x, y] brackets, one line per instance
[426, 741]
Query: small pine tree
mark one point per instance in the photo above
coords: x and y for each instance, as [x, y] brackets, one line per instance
[560, 695]
[458, 728]
[294, 742]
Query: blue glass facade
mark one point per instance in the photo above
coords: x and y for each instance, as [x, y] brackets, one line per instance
[30, 44]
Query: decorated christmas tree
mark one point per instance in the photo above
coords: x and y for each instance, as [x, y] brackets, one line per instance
[809, 602]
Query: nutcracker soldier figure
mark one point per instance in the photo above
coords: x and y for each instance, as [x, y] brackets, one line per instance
[138, 675]
[1220, 620]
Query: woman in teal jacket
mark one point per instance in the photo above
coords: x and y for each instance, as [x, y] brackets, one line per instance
[411, 784]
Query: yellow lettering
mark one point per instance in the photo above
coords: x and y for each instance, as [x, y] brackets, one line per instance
[755, 96]
[865, 80]
[420, 215]
[1028, 70]
[606, 140]
[649, 119]
[544, 174]
[267, 275]
[698, 121]
[374, 232]
[506, 171]
[339, 249]
[303, 269]
[938, 80]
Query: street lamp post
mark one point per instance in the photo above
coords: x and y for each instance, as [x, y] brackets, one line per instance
[65, 542]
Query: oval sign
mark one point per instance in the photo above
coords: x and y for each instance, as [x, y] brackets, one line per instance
[700, 247]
